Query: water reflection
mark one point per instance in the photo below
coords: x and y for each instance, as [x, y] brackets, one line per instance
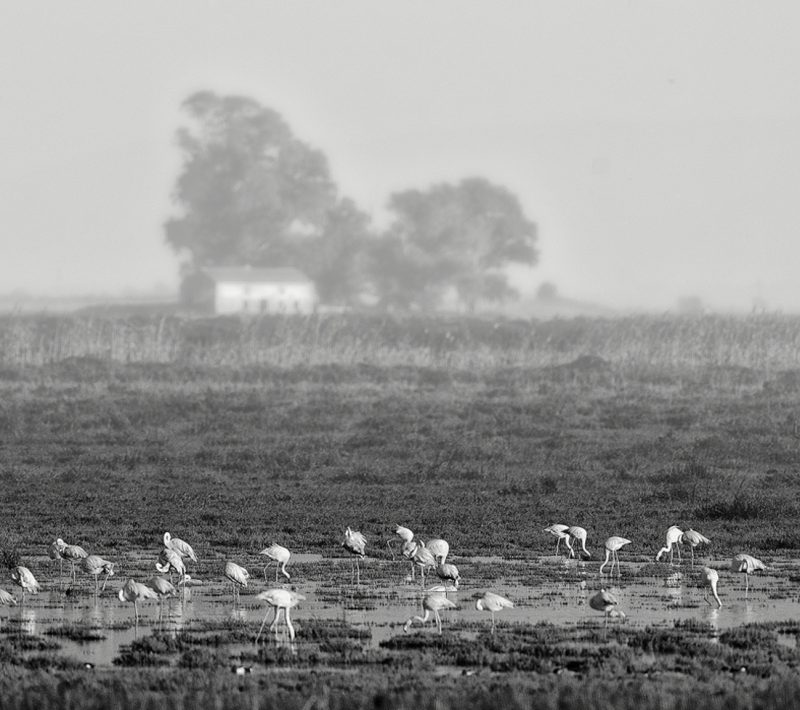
[380, 605]
[711, 617]
[674, 589]
[27, 620]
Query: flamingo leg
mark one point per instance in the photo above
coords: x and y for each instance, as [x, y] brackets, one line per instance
[274, 625]
[289, 624]
[492, 622]
[605, 562]
[438, 621]
[263, 623]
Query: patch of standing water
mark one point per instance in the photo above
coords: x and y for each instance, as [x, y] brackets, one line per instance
[547, 590]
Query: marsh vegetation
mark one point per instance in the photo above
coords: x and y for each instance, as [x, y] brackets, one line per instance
[236, 434]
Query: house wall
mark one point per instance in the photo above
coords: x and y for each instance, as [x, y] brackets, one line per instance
[231, 297]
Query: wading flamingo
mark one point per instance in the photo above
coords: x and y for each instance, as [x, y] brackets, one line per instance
[355, 543]
[7, 599]
[423, 558]
[54, 553]
[95, 565]
[133, 591]
[434, 602]
[237, 576]
[747, 564]
[607, 603]
[279, 599]
[184, 549]
[408, 550]
[447, 573]
[580, 535]
[694, 539]
[439, 548]
[674, 539]
[170, 561]
[613, 545]
[25, 580]
[493, 603]
[405, 534]
[164, 588]
[560, 533]
[407, 547]
[278, 554]
[73, 553]
[710, 578]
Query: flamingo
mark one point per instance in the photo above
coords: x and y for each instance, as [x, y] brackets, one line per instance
[168, 561]
[404, 533]
[423, 558]
[280, 555]
[73, 553]
[748, 565]
[580, 535]
[133, 591]
[279, 599]
[7, 599]
[354, 542]
[184, 549]
[710, 578]
[560, 533]
[447, 573]
[694, 539]
[237, 576]
[439, 548]
[94, 564]
[24, 579]
[408, 551]
[408, 545]
[613, 545]
[674, 539]
[607, 603]
[493, 602]
[164, 588]
[54, 553]
[433, 602]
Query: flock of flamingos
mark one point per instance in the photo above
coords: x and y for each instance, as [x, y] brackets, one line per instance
[425, 557]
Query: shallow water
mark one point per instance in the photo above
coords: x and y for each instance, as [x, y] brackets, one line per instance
[546, 590]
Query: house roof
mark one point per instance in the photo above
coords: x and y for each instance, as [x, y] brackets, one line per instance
[248, 274]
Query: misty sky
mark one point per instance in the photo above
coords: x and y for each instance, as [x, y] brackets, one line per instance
[656, 144]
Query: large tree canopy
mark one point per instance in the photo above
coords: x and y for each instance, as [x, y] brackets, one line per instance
[252, 193]
[453, 236]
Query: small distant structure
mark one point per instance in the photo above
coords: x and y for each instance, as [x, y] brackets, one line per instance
[244, 289]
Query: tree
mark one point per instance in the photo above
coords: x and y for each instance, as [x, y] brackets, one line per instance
[336, 259]
[250, 192]
[453, 236]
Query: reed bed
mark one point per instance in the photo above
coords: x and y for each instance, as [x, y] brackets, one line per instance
[763, 342]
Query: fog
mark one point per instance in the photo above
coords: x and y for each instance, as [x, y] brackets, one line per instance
[656, 145]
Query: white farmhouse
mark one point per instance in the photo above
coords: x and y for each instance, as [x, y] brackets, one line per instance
[244, 289]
